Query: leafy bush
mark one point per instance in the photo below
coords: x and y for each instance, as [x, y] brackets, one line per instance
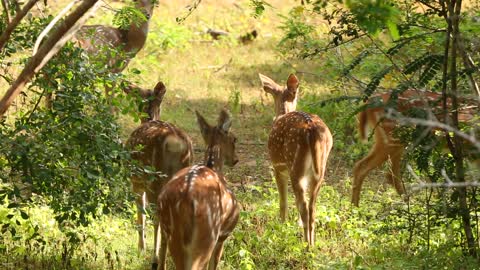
[70, 154]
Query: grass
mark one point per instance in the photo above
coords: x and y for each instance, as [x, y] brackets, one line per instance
[206, 75]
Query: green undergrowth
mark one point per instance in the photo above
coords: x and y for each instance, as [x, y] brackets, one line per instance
[384, 233]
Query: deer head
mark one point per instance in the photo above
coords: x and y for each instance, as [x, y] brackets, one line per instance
[137, 33]
[149, 100]
[219, 140]
[152, 100]
[285, 98]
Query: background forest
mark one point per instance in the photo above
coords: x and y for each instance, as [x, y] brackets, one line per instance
[65, 194]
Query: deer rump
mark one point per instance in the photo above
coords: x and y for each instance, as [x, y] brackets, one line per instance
[164, 147]
[196, 210]
[308, 137]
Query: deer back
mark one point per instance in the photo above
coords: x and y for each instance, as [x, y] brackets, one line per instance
[199, 206]
[197, 211]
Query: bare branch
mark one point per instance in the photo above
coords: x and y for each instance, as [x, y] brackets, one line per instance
[402, 120]
[424, 185]
[46, 51]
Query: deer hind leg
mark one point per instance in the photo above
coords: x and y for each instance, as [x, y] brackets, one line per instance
[281, 178]
[163, 252]
[394, 175]
[315, 184]
[300, 184]
[377, 156]
[217, 254]
[141, 202]
[156, 243]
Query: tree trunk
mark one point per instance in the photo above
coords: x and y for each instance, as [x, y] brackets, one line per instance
[454, 9]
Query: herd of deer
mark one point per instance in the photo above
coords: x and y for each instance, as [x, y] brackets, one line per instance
[194, 209]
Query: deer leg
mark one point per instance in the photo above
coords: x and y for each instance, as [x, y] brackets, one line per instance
[314, 189]
[156, 243]
[281, 178]
[141, 202]
[299, 189]
[374, 159]
[163, 252]
[394, 175]
[217, 254]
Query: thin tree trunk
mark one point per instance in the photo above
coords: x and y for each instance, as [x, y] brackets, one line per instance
[13, 24]
[454, 12]
[6, 10]
[46, 51]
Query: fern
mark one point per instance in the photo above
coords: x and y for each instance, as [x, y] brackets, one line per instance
[462, 74]
[425, 60]
[393, 50]
[431, 69]
[373, 84]
[356, 61]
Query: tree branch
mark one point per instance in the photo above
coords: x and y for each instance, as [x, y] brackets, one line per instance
[13, 24]
[46, 51]
[402, 120]
[7, 11]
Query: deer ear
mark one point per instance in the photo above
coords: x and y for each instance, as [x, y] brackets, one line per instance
[269, 85]
[292, 87]
[292, 83]
[159, 90]
[205, 128]
[224, 120]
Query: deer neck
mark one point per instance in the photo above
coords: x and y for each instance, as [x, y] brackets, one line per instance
[283, 107]
[137, 33]
[214, 157]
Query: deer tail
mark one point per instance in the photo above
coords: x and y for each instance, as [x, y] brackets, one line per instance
[362, 124]
[318, 150]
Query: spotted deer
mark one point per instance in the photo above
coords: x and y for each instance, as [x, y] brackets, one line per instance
[299, 144]
[197, 211]
[163, 147]
[386, 147]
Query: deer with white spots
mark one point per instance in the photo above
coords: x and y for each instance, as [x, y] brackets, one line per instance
[298, 145]
[165, 148]
[197, 211]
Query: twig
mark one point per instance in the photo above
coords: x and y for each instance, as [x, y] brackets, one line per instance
[402, 120]
[224, 66]
[424, 185]
[191, 8]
